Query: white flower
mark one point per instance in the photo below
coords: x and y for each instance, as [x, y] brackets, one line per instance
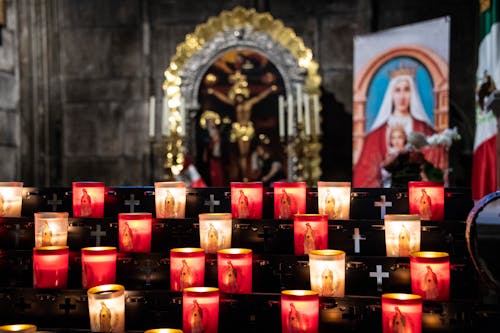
[445, 138]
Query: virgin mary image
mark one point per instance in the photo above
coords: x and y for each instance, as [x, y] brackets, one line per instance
[401, 107]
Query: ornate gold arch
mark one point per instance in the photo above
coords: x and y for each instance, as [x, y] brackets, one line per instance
[234, 19]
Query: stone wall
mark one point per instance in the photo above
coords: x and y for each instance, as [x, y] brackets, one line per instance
[102, 59]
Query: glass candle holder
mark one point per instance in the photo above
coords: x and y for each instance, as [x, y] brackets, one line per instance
[327, 272]
[427, 200]
[402, 234]
[401, 313]
[200, 310]
[88, 199]
[51, 229]
[334, 199]
[170, 200]
[98, 266]
[234, 268]
[50, 267]
[187, 268]
[289, 199]
[163, 330]
[23, 328]
[310, 232]
[299, 311]
[246, 200]
[11, 199]
[107, 308]
[134, 232]
[215, 231]
[430, 275]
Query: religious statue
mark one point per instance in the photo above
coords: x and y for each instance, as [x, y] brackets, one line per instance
[242, 131]
[127, 238]
[243, 212]
[328, 283]
[212, 239]
[309, 239]
[430, 284]
[425, 206]
[85, 204]
[404, 242]
[330, 209]
[186, 276]
[294, 320]
[46, 234]
[285, 203]
[196, 318]
[105, 319]
[399, 323]
[169, 210]
[231, 278]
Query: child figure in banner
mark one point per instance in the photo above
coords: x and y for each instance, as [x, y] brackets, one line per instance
[425, 206]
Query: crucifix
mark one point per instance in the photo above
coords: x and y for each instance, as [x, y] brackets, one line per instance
[379, 274]
[212, 203]
[97, 234]
[357, 238]
[54, 202]
[132, 202]
[67, 306]
[382, 204]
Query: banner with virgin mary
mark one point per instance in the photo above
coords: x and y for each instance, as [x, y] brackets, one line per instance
[400, 98]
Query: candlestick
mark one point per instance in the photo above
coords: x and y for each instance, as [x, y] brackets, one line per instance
[401, 313]
[317, 129]
[299, 103]
[11, 198]
[152, 116]
[307, 117]
[107, 308]
[51, 229]
[98, 266]
[299, 311]
[327, 272]
[289, 104]
[165, 122]
[281, 116]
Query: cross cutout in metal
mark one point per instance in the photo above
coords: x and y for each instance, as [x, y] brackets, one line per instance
[54, 202]
[17, 234]
[383, 204]
[212, 203]
[67, 306]
[97, 234]
[357, 238]
[379, 274]
[132, 202]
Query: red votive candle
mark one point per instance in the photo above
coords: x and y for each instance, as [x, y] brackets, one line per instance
[98, 266]
[88, 199]
[310, 232]
[235, 270]
[299, 311]
[50, 267]
[289, 199]
[200, 310]
[427, 200]
[246, 200]
[401, 313]
[134, 232]
[430, 275]
[187, 268]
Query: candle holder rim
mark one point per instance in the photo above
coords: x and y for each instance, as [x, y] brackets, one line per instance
[401, 297]
[88, 183]
[163, 330]
[405, 217]
[425, 184]
[19, 326]
[299, 292]
[105, 288]
[200, 290]
[98, 248]
[290, 184]
[187, 250]
[251, 184]
[11, 184]
[51, 248]
[429, 254]
[235, 251]
[45, 215]
[310, 215]
[144, 214]
[173, 184]
[333, 184]
[327, 252]
[230, 215]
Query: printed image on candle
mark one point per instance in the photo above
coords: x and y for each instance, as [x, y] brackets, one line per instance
[212, 239]
[404, 242]
[230, 279]
[399, 322]
[430, 284]
[196, 318]
[105, 316]
[295, 323]
[46, 234]
[186, 276]
[3, 206]
[309, 239]
[243, 210]
[169, 206]
[127, 237]
[285, 205]
[425, 206]
[330, 209]
[85, 204]
[329, 282]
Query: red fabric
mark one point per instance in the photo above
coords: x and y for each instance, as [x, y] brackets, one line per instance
[198, 183]
[484, 169]
[366, 172]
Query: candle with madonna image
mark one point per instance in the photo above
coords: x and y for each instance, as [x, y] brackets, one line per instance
[200, 310]
[187, 268]
[246, 200]
[289, 199]
[215, 231]
[401, 313]
[98, 266]
[134, 231]
[427, 200]
[170, 200]
[107, 308]
[310, 232]
[299, 311]
[334, 199]
[11, 199]
[51, 228]
[88, 199]
[235, 270]
[402, 234]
